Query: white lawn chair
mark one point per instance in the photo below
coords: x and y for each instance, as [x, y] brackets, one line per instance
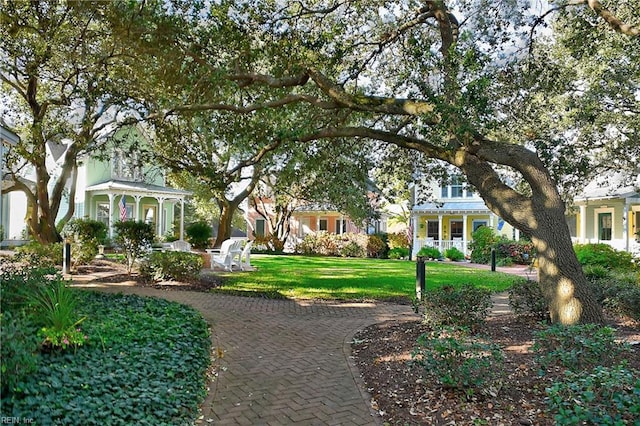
[224, 258]
[245, 262]
[180, 245]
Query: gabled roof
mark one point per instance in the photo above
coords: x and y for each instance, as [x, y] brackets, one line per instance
[136, 187]
[611, 186]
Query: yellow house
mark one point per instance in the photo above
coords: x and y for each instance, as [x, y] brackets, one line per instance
[608, 211]
[453, 213]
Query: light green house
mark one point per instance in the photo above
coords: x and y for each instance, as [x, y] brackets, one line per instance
[121, 185]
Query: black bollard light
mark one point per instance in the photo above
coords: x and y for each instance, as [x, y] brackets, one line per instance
[493, 260]
[420, 277]
[66, 257]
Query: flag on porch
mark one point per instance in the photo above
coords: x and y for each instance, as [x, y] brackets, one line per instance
[123, 208]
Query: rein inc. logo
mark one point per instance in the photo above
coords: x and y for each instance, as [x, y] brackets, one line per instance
[17, 420]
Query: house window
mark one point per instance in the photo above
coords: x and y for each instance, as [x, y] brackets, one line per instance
[456, 229]
[444, 193]
[456, 188]
[605, 224]
[150, 215]
[432, 230]
[341, 226]
[477, 224]
[102, 214]
[323, 225]
[126, 166]
[260, 228]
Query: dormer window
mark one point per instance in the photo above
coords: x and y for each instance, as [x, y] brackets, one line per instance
[455, 190]
[126, 166]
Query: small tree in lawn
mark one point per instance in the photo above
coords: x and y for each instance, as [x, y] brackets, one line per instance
[135, 238]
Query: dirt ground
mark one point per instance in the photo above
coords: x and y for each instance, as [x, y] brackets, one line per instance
[403, 394]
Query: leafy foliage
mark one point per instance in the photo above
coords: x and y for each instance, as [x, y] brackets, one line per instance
[345, 245]
[18, 346]
[398, 253]
[603, 396]
[54, 306]
[171, 265]
[603, 255]
[526, 298]
[145, 364]
[518, 252]
[577, 347]
[199, 234]
[429, 252]
[454, 254]
[43, 255]
[618, 291]
[85, 235]
[463, 306]
[459, 361]
[483, 240]
[135, 239]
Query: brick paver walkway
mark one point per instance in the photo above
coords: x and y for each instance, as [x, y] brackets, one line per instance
[284, 361]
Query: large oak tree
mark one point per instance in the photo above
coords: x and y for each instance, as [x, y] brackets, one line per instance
[442, 78]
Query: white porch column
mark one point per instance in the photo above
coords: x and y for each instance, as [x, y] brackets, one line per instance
[464, 233]
[160, 216]
[111, 197]
[440, 236]
[136, 213]
[583, 224]
[318, 223]
[625, 225]
[182, 219]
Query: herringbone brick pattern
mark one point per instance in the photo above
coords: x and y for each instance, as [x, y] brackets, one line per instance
[284, 362]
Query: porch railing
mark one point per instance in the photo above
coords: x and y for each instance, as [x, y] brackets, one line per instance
[442, 245]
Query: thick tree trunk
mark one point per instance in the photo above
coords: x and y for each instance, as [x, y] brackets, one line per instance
[541, 215]
[563, 283]
[225, 222]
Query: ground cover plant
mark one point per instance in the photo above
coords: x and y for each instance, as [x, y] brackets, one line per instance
[144, 362]
[353, 278]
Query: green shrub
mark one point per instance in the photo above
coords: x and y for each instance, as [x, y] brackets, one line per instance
[464, 306]
[604, 396]
[18, 347]
[86, 229]
[619, 292]
[577, 347]
[84, 235]
[18, 280]
[526, 298]
[454, 254]
[603, 255]
[43, 255]
[519, 252]
[398, 240]
[430, 253]
[172, 265]
[460, 362]
[376, 246]
[399, 253]
[135, 239]
[351, 249]
[198, 234]
[483, 240]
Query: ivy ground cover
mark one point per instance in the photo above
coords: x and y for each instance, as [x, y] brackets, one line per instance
[145, 363]
[354, 278]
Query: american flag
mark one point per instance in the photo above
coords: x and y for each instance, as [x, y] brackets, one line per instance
[123, 208]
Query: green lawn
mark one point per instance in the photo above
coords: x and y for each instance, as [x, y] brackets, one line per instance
[349, 278]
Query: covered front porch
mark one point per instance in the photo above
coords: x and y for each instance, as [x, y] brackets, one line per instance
[114, 200]
[451, 224]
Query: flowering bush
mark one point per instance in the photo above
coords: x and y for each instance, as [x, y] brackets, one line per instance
[520, 252]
